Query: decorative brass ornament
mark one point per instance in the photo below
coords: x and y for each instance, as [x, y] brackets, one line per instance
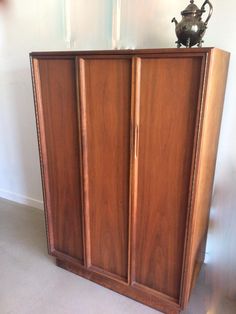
[191, 29]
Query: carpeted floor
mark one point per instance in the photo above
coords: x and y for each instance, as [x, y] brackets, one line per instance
[31, 283]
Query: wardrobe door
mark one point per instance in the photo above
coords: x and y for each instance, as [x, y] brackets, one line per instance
[56, 110]
[105, 92]
[169, 93]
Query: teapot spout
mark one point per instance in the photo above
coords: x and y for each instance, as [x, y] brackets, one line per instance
[175, 21]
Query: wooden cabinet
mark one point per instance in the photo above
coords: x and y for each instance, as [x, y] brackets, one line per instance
[128, 143]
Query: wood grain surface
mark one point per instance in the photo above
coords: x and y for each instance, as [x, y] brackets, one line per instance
[128, 143]
[167, 124]
[107, 100]
[208, 136]
[57, 107]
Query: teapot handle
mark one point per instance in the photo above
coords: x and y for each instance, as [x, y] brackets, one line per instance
[210, 10]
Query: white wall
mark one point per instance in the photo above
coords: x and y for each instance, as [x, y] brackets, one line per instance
[30, 25]
[25, 26]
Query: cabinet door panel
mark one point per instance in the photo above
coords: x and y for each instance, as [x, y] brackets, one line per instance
[107, 85]
[168, 108]
[57, 113]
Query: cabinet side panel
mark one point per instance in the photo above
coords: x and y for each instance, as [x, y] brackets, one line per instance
[107, 84]
[168, 109]
[214, 91]
[60, 156]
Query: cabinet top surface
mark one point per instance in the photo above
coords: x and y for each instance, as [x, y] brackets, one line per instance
[124, 52]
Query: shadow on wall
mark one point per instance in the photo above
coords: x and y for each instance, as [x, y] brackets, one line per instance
[18, 122]
[216, 290]
[221, 249]
[19, 163]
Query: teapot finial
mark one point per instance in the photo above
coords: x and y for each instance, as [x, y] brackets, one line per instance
[192, 1]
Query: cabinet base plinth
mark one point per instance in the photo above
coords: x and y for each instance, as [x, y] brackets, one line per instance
[157, 302]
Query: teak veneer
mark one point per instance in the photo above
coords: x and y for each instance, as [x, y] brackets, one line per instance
[128, 142]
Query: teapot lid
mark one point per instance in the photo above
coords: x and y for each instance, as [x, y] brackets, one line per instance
[191, 9]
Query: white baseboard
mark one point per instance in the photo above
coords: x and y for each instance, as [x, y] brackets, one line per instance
[22, 199]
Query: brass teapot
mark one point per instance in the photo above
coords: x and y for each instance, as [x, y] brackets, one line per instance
[191, 29]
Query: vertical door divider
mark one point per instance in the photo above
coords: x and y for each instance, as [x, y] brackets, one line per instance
[134, 152]
[81, 109]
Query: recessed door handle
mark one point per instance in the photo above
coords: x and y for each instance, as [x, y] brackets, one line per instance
[136, 141]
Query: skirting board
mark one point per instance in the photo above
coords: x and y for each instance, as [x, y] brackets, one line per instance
[22, 199]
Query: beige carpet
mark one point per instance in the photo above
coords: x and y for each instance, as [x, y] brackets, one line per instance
[31, 283]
